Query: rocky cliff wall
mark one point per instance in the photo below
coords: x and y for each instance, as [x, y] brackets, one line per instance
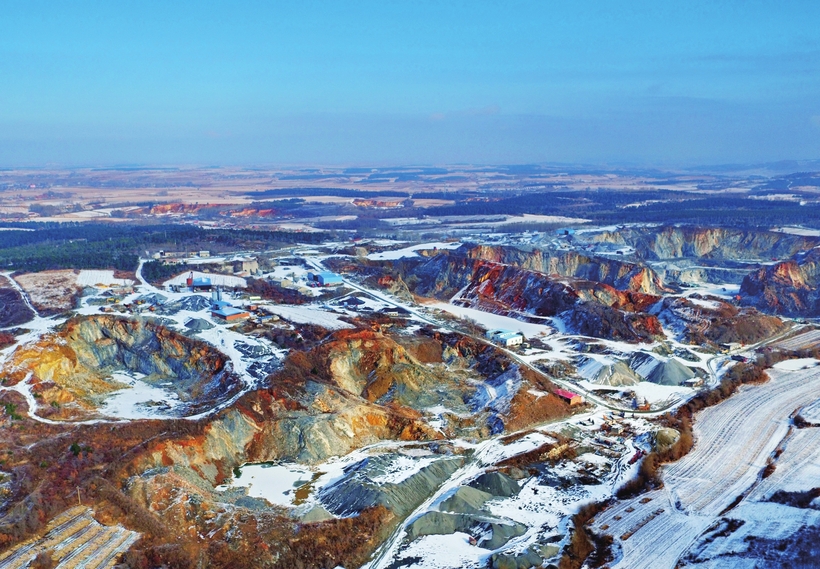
[13, 309]
[618, 274]
[788, 288]
[672, 242]
[447, 272]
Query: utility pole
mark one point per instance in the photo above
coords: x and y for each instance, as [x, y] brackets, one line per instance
[79, 501]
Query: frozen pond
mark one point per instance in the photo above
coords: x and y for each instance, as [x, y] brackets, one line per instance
[140, 400]
[276, 483]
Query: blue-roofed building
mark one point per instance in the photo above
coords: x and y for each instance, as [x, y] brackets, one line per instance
[230, 314]
[198, 283]
[223, 309]
[327, 278]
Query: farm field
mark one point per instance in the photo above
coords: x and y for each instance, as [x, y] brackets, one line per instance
[73, 539]
[802, 341]
[733, 441]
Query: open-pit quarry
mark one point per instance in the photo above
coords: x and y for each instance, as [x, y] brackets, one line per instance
[476, 402]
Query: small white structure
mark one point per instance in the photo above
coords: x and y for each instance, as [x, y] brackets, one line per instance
[506, 338]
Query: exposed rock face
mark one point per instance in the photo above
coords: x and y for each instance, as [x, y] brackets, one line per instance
[583, 291]
[448, 272]
[13, 310]
[618, 274]
[606, 322]
[327, 402]
[788, 288]
[715, 321]
[76, 363]
[701, 274]
[653, 243]
[588, 308]
[500, 288]
[305, 422]
[322, 403]
[356, 389]
[459, 374]
[375, 367]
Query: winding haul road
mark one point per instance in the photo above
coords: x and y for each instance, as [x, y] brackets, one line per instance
[655, 529]
[711, 363]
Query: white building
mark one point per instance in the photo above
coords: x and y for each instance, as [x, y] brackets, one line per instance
[506, 338]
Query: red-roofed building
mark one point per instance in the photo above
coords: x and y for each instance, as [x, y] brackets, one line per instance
[572, 398]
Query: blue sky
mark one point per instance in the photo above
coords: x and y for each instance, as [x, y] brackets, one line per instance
[303, 82]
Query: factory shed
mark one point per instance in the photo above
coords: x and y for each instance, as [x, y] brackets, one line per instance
[230, 314]
[198, 283]
[329, 279]
[572, 398]
[506, 338]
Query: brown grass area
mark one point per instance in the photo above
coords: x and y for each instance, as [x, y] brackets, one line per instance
[51, 292]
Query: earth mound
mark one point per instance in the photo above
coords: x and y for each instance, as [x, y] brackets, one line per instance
[663, 371]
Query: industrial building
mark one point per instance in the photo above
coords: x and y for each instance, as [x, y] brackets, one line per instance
[245, 264]
[199, 283]
[230, 314]
[325, 278]
[395, 311]
[506, 338]
[223, 310]
[572, 398]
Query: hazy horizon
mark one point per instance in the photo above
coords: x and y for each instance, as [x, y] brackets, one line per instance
[369, 83]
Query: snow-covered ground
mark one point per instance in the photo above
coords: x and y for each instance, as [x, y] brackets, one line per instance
[657, 394]
[443, 552]
[653, 393]
[411, 251]
[803, 340]
[139, 400]
[491, 321]
[798, 364]
[308, 314]
[276, 483]
[797, 468]
[292, 272]
[709, 304]
[721, 290]
[403, 468]
[94, 277]
[802, 231]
